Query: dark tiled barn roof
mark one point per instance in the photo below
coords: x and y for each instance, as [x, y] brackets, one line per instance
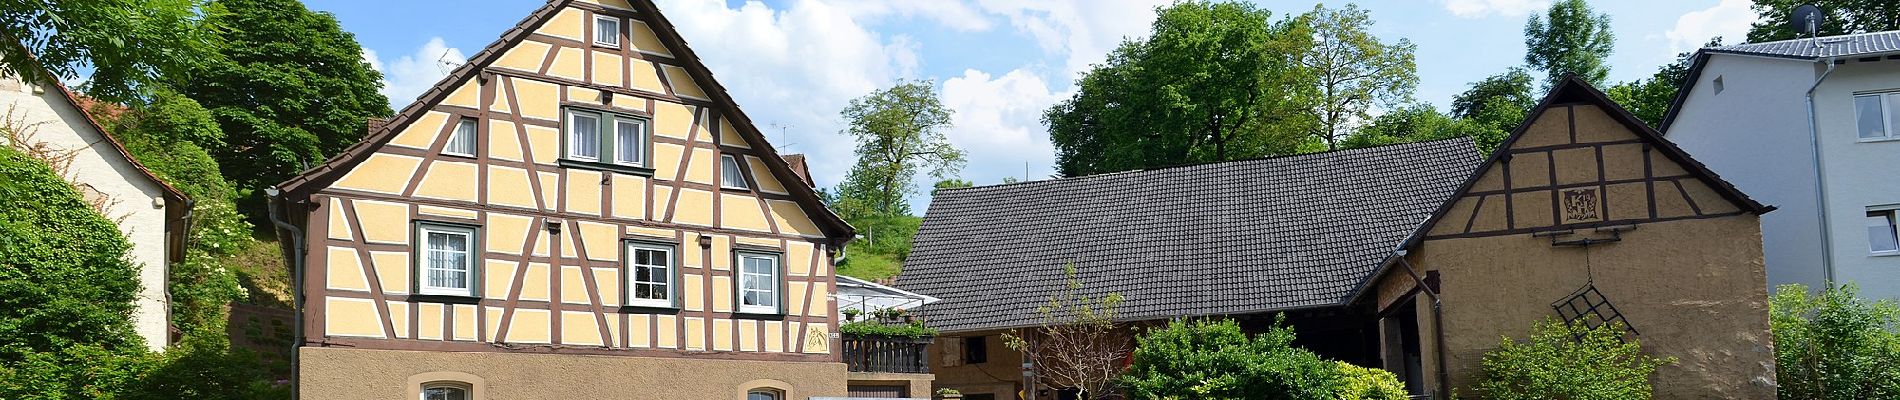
[1233, 237]
[1831, 46]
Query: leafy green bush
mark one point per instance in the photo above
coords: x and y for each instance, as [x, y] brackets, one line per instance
[914, 329]
[65, 280]
[1361, 383]
[1563, 361]
[1835, 345]
[1214, 359]
[165, 135]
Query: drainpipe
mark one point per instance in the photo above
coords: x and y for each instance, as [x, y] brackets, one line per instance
[1438, 324]
[296, 284]
[1820, 179]
[184, 250]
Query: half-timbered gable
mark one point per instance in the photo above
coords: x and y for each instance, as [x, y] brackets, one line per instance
[581, 186]
[1576, 164]
[1586, 216]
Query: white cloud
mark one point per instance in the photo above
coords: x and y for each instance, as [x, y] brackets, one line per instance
[1486, 8]
[1082, 31]
[1730, 19]
[998, 122]
[956, 15]
[414, 73]
[793, 69]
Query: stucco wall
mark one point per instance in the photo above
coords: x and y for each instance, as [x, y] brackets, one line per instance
[1859, 174]
[342, 374]
[1692, 294]
[133, 200]
[1755, 134]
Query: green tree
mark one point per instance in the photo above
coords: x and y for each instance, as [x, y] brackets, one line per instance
[1511, 91]
[1211, 82]
[164, 134]
[899, 131]
[1215, 359]
[1563, 361]
[1649, 98]
[1421, 122]
[1834, 345]
[1498, 103]
[1354, 70]
[1571, 38]
[288, 89]
[952, 183]
[126, 44]
[1843, 17]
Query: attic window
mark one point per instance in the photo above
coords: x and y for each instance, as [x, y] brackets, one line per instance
[730, 176]
[1718, 85]
[462, 140]
[607, 31]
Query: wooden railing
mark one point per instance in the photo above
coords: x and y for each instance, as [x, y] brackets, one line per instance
[886, 354]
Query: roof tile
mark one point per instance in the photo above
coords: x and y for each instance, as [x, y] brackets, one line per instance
[1233, 237]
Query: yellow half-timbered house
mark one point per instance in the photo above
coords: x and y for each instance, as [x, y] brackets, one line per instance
[579, 211]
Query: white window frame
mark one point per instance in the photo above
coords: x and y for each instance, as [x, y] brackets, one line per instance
[471, 259]
[569, 135]
[607, 138]
[618, 26]
[774, 276]
[639, 158]
[736, 170]
[474, 137]
[1893, 223]
[1888, 100]
[468, 391]
[632, 276]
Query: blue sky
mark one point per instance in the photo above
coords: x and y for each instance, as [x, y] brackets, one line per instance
[792, 64]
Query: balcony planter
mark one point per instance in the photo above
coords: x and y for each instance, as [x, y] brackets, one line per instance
[870, 346]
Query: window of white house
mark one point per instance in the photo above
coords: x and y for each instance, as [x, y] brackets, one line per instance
[758, 283]
[762, 394]
[1881, 237]
[1874, 115]
[462, 141]
[730, 175]
[444, 391]
[608, 138]
[650, 275]
[607, 31]
[445, 259]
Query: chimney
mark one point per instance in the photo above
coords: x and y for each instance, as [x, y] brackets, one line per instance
[797, 161]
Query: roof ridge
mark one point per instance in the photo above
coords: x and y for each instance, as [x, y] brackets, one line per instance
[1333, 152]
[1823, 39]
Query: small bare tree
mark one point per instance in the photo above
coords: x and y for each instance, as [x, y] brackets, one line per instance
[1077, 344]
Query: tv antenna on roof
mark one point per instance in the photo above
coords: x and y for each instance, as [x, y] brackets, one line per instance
[447, 64]
[784, 139]
[1807, 19]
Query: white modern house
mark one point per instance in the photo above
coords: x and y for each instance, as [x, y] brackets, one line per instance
[1811, 126]
[148, 212]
